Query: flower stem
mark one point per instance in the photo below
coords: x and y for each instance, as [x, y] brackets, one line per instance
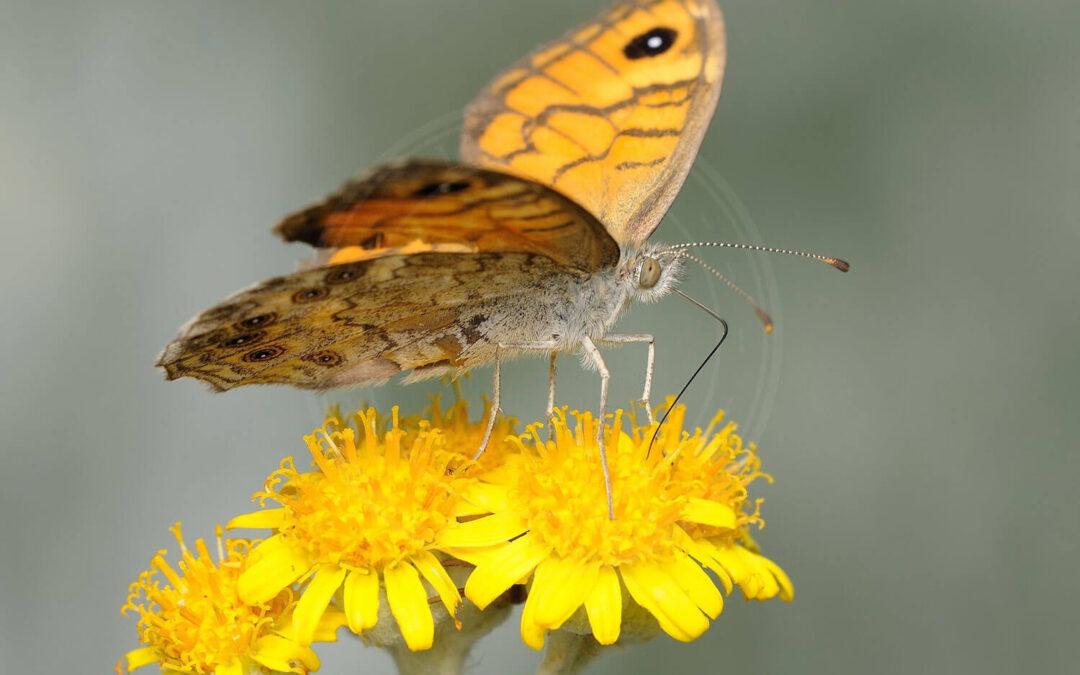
[567, 653]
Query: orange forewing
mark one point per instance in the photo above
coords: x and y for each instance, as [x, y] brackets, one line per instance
[611, 114]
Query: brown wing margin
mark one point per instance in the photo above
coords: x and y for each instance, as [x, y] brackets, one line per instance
[430, 205]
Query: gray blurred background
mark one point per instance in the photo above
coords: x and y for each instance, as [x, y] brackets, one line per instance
[919, 414]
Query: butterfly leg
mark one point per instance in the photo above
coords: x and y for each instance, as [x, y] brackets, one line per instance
[649, 363]
[543, 345]
[551, 394]
[605, 377]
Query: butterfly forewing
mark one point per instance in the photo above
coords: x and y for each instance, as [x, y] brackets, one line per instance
[611, 114]
[454, 207]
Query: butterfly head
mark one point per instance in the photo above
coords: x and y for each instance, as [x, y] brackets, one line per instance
[654, 272]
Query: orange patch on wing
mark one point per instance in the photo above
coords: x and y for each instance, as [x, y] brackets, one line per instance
[531, 96]
[592, 132]
[350, 254]
[504, 135]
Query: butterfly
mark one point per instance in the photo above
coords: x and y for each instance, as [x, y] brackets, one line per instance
[536, 242]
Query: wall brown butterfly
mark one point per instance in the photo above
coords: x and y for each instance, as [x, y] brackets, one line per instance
[536, 242]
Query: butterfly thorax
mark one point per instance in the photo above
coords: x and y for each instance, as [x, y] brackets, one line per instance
[603, 297]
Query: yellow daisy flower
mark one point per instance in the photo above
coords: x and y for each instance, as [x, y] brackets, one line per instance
[197, 622]
[669, 524]
[371, 511]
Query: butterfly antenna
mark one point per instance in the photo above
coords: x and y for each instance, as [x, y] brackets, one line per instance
[766, 320]
[839, 264]
[699, 368]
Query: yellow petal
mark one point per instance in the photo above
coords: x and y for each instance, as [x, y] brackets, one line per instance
[328, 626]
[266, 518]
[485, 498]
[787, 591]
[361, 599]
[314, 601]
[560, 586]
[654, 590]
[604, 606]
[436, 575]
[708, 512]
[507, 566]
[137, 658]
[273, 571]
[703, 552]
[278, 653]
[409, 604]
[764, 583]
[696, 584]
[487, 531]
[532, 634]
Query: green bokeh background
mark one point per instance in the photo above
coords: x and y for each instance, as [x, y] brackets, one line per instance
[919, 414]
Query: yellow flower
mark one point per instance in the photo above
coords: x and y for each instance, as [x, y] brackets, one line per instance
[197, 623]
[371, 510]
[669, 524]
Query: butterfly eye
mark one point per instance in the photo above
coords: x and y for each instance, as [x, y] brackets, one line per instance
[651, 43]
[441, 188]
[649, 274]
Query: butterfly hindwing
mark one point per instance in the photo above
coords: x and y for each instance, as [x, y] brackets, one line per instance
[611, 114]
[361, 322]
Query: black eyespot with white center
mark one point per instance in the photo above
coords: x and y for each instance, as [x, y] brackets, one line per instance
[264, 354]
[651, 43]
[340, 276]
[310, 295]
[256, 321]
[443, 188]
[246, 338]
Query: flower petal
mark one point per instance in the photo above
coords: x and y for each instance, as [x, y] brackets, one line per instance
[654, 590]
[263, 519]
[560, 586]
[604, 606]
[787, 591]
[507, 566]
[314, 601]
[436, 575]
[273, 570]
[702, 551]
[487, 498]
[697, 585]
[487, 531]
[280, 654]
[361, 599]
[332, 619]
[137, 658]
[409, 604]
[532, 633]
[708, 512]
